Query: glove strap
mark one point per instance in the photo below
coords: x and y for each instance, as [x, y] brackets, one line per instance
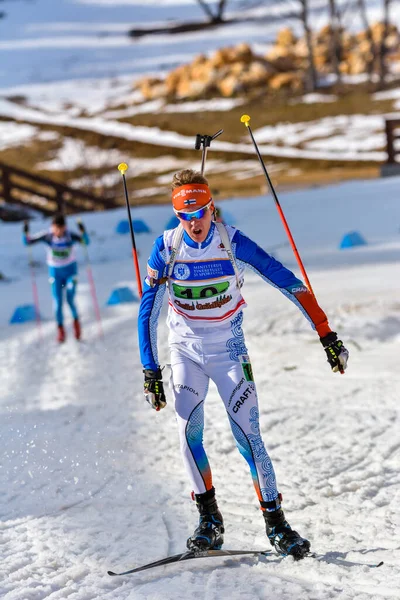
[151, 374]
[328, 339]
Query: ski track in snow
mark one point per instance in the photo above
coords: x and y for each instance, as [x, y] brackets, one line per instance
[92, 479]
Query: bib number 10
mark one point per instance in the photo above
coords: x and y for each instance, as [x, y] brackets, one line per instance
[200, 292]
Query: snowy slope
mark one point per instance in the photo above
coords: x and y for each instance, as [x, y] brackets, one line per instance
[91, 477]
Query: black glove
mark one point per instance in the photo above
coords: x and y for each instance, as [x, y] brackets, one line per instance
[81, 226]
[337, 354]
[26, 227]
[154, 388]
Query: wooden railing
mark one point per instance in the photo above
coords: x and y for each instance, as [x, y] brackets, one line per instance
[392, 127]
[18, 186]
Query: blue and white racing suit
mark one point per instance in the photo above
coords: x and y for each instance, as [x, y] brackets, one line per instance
[63, 268]
[207, 342]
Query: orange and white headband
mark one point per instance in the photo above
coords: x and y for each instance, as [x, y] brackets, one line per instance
[191, 196]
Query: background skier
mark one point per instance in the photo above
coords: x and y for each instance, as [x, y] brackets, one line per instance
[203, 263]
[62, 266]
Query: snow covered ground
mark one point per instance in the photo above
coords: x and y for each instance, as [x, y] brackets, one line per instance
[91, 478]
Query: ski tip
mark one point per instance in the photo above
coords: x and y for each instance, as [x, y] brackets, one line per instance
[111, 573]
[380, 564]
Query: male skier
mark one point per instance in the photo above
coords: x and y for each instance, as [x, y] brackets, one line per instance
[203, 263]
[62, 266]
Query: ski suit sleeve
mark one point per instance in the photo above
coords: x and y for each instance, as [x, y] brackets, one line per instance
[28, 240]
[83, 239]
[272, 271]
[150, 305]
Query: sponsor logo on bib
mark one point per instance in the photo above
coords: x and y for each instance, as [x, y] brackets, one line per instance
[181, 271]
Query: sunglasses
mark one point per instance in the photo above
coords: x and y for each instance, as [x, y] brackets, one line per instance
[196, 214]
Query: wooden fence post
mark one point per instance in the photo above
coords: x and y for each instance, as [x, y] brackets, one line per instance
[6, 184]
[60, 200]
[389, 141]
[391, 166]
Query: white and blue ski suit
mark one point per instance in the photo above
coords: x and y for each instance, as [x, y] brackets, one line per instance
[62, 267]
[207, 342]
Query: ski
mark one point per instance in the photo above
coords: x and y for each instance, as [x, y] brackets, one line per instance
[189, 556]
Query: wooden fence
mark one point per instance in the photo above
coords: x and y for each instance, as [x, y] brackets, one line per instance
[18, 186]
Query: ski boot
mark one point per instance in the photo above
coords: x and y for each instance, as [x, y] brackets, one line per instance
[208, 535]
[60, 334]
[285, 540]
[77, 329]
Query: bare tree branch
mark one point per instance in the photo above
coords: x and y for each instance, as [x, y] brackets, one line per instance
[383, 48]
[312, 72]
[364, 20]
[207, 9]
[335, 39]
[220, 11]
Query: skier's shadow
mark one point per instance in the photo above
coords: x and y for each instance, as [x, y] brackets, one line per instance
[339, 558]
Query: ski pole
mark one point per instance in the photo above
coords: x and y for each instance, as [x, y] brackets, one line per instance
[91, 284]
[122, 168]
[245, 119]
[35, 293]
[205, 141]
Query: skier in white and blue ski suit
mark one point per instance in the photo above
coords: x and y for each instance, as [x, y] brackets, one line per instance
[204, 271]
[62, 267]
